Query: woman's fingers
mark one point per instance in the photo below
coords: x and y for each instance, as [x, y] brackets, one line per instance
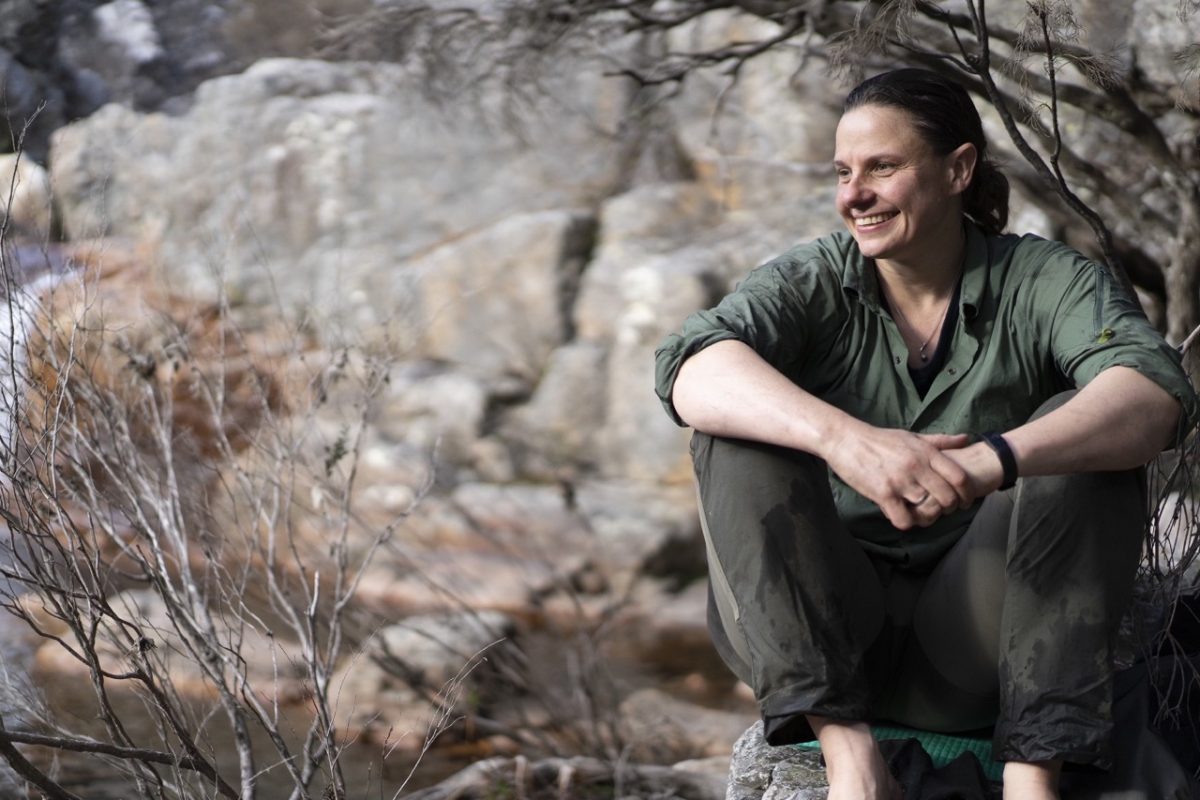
[907, 475]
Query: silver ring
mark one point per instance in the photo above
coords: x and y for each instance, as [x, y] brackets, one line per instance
[924, 497]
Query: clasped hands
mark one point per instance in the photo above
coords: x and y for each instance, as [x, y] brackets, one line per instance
[915, 478]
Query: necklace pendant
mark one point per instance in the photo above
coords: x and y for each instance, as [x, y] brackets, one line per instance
[922, 355]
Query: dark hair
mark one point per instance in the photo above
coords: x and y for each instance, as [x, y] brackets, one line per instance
[944, 115]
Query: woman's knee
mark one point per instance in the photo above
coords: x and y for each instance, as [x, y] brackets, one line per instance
[755, 467]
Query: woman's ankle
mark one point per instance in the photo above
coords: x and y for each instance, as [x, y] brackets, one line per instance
[854, 764]
[1032, 780]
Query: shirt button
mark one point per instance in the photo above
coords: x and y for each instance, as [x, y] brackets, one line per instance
[897, 361]
[952, 371]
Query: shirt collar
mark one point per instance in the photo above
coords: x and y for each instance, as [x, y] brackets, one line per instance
[975, 270]
[861, 280]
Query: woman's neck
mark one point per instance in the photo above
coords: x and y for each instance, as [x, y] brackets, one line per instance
[924, 283]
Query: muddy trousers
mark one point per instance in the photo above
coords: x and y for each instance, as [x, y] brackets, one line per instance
[1013, 629]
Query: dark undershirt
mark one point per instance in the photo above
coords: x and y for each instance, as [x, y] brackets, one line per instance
[922, 377]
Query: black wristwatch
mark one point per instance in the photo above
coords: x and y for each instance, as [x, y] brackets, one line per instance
[1008, 461]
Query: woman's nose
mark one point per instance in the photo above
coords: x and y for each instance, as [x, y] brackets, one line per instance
[853, 191]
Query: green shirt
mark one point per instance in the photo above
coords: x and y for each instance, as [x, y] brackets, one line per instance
[1035, 318]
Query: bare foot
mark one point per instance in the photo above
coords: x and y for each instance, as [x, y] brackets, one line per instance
[853, 763]
[1031, 780]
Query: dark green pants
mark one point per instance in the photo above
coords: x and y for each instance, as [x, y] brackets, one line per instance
[1014, 628]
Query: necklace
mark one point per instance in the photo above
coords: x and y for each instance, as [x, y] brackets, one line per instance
[921, 351]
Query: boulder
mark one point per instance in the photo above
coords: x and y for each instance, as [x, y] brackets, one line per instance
[496, 302]
[713, 768]
[644, 528]
[666, 630]
[758, 770]
[533, 520]
[657, 723]
[433, 409]
[553, 435]
[417, 581]
[655, 224]
[27, 208]
[33, 107]
[663, 252]
[411, 675]
[432, 650]
[638, 440]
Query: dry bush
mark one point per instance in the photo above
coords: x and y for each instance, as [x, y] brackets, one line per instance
[177, 533]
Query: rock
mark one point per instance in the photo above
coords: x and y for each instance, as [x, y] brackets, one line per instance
[637, 440]
[658, 723]
[714, 770]
[534, 519]
[80, 54]
[774, 109]
[668, 631]
[96, 196]
[656, 218]
[1160, 32]
[33, 107]
[769, 195]
[553, 435]
[496, 302]
[128, 26]
[342, 172]
[437, 522]
[387, 689]
[414, 581]
[761, 146]
[643, 527]
[30, 210]
[656, 225]
[435, 649]
[433, 408]
[758, 770]
[17, 14]
[712, 765]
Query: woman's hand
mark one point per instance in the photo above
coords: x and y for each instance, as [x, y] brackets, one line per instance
[909, 476]
[982, 465]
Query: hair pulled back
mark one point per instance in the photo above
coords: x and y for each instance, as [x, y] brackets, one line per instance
[944, 115]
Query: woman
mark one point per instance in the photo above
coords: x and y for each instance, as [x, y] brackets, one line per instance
[907, 516]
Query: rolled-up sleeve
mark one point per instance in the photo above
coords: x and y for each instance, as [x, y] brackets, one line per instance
[767, 312]
[1094, 326]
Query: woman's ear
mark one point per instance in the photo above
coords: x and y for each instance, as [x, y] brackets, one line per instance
[961, 162]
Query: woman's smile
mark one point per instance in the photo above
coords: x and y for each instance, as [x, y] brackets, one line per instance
[873, 220]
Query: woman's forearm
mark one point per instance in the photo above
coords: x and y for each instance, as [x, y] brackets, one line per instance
[727, 389]
[1118, 421]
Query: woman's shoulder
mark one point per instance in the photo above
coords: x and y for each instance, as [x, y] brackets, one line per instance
[1030, 254]
[830, 258]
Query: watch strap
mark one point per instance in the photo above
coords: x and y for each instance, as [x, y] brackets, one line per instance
[1008, 461]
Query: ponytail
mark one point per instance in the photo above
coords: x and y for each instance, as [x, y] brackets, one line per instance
[986, 199]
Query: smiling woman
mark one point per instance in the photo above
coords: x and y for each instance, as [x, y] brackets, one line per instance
[941, 535]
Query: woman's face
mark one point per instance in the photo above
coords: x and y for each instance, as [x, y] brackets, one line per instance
[900, 200]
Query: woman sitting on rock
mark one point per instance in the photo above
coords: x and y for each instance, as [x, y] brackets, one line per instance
[919, 448]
